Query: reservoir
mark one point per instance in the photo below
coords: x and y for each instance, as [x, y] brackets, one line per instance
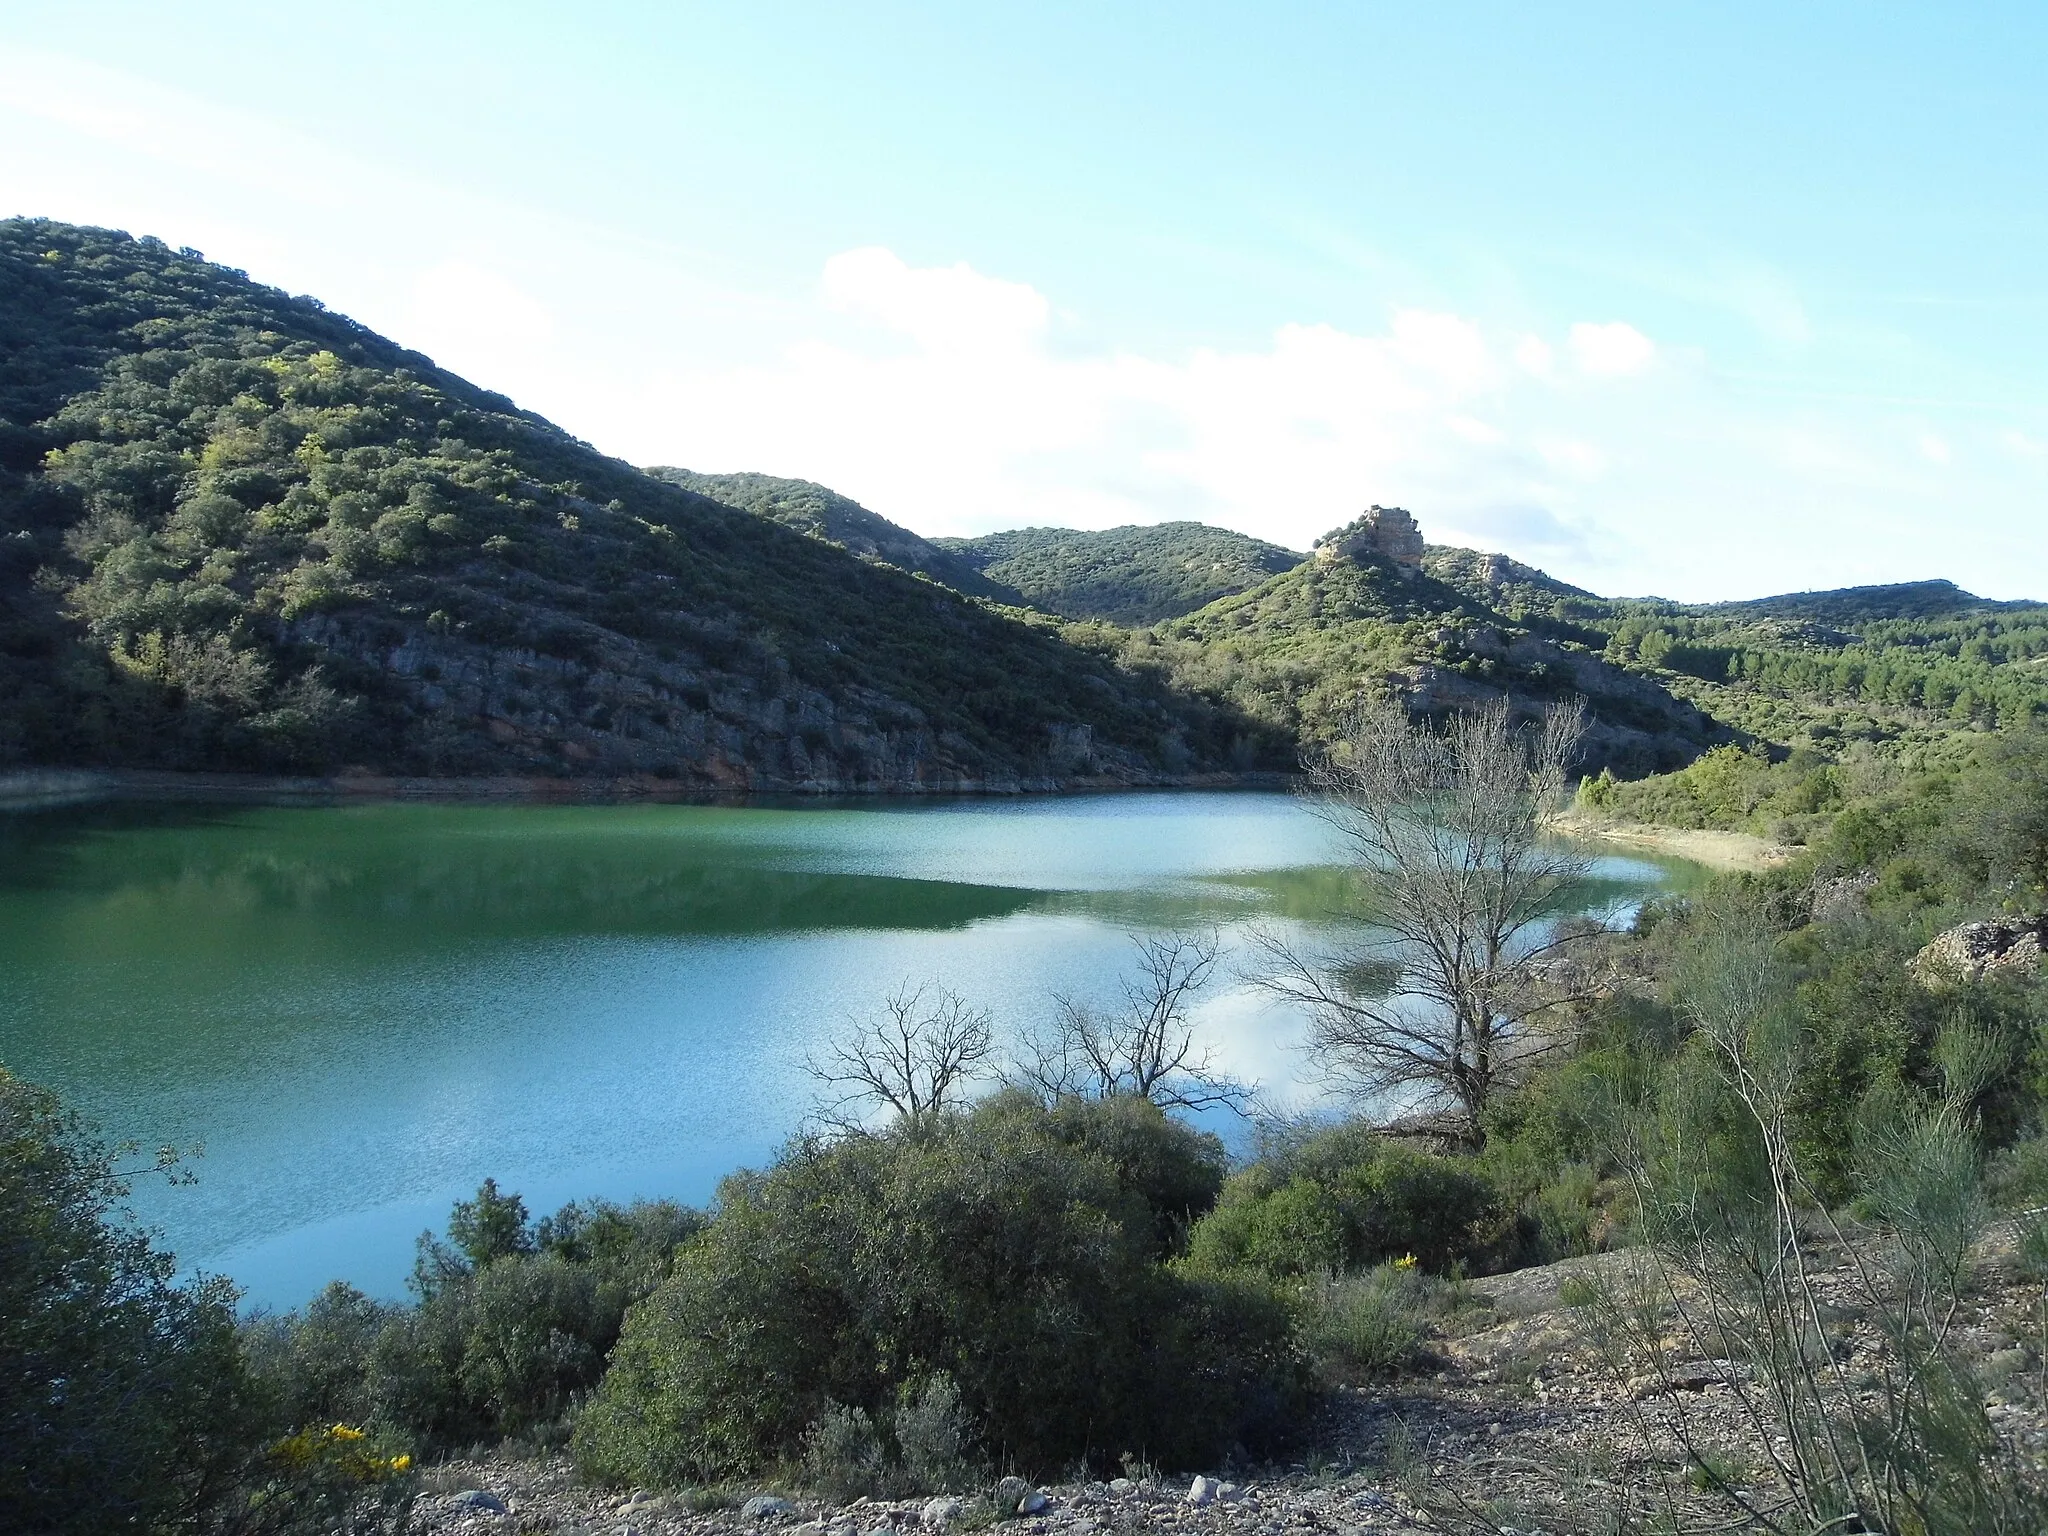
[363, 1010]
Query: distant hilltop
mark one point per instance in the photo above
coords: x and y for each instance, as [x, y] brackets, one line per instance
[1388, 533]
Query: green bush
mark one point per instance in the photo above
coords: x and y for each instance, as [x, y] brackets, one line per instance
[934, 1436]
[1002, 1246]
[124, 1404]
[842, 1454]
[512, 1326]
[1357, 1327]
[1345, 1197]
[1296, 1231]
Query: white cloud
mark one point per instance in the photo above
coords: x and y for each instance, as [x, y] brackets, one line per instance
[957, 401]
[944, 309]
[1615, 348]
[1933, 449]
[962, 416]
[1534, 355]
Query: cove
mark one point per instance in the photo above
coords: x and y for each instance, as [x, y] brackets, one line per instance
[363, 1010]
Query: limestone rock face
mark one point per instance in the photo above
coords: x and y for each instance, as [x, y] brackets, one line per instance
[1385, 533]
[1970, 951]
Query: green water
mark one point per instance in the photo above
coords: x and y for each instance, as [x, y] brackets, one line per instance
[362, 1011]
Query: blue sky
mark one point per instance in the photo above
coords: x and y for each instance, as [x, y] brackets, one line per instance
[1705, 301]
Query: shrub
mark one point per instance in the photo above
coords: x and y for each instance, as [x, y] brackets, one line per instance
[1296, 1231]
[1001, 1246]
[124, 1403]
[1357, 1327]
[842, 1456]
[934, 1435]
[1345, 1197]
[512, 1327]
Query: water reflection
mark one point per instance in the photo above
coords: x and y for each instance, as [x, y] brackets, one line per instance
[364, 1010]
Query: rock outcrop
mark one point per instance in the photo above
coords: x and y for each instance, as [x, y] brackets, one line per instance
[1972, 951]
[1382, 533]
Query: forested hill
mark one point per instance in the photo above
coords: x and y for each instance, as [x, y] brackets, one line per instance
[239, 531]
[1131, 575]
[823, 513]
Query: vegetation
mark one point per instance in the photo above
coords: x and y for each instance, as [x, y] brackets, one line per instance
[1756, 1088]
[126, 1399]
[1131, 576]
[1462, 899]
[822, 513]
[856, 1271]
[237, 531]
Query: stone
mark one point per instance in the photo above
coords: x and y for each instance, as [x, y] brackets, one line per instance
[941, 1511]
[763, 1505]
[1842, 898]
[1121, 1486]
[1201, 1493]
[1972, 951]
[1010, 1495]
[1033, 1503]
[1228, 1493]
[1382, 533]
[476, 1499]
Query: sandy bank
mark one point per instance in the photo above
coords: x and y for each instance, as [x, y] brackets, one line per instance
[1716, 850]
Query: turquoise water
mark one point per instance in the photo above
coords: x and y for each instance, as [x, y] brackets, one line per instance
[361, 1011]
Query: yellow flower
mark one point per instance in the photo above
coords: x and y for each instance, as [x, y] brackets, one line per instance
[343, 1432]
[1406, 1261]
[401, 1463]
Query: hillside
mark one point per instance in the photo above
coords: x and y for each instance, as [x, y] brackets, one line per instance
[1294, 651]
[240, 531]
[1913, 663]
[823, 513]
[1131, 576]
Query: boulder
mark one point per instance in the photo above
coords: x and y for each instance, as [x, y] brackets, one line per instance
[1201, 1493]
[477, 1500]
[940, 1512]
[764, 1505]
[1972, 951]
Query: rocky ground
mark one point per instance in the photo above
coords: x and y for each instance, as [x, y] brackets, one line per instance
[1517, 1423]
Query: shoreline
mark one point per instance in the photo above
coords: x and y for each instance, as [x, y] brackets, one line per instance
[47, 788]
[1728, 852]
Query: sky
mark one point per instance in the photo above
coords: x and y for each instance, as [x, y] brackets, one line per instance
[1703, 301]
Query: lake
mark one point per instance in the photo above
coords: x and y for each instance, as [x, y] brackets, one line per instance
[362, 1010]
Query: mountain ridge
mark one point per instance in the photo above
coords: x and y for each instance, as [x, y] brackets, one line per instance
[238, 531]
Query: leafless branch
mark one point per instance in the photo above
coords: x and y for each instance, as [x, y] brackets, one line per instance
[1462, 899]
[1145, 1047]
[915, 1057]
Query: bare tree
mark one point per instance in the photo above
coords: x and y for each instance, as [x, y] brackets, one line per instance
[1145, 1048]
[915, 1056]
[1463, 899]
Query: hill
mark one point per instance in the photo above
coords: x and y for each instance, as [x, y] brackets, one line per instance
[822, 513]
[1132, 576]
[1913, 663]
[1294, 652]
[240, 531]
